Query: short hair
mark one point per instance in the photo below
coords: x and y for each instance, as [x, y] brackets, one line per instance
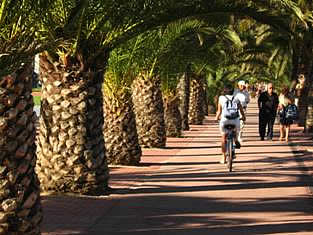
[228, 89]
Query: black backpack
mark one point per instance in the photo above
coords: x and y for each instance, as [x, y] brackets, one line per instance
[291, 112]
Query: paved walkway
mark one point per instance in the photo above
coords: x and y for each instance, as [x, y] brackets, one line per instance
[184, 190]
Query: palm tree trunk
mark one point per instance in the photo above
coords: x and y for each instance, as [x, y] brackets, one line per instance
[172, 116]
[309, 116]
[295, 67]
[21, 211]
[304, 98]
[303, 107]
[196, 112]
[205, 98]
[306, 68]
[184, 94]
[71, 152]
[120, 132]
[149, 111]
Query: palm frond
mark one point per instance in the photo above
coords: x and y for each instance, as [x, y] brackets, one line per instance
[19, 27]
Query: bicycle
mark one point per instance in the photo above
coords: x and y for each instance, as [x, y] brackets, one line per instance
[230, 146]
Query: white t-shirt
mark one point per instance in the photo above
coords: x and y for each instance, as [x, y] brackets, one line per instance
[243, 97]
[222, 100]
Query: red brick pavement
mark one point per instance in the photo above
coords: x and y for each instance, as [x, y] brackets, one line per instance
[182, 189]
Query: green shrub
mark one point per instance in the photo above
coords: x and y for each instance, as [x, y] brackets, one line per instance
[36, 100]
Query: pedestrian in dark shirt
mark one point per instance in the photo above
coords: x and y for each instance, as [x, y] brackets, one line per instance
[268, 103]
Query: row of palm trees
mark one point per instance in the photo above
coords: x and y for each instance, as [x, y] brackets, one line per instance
[88, 104]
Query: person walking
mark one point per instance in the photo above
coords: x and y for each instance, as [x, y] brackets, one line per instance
[244, 97]
[283, 102]
[268, 104]
[288, 113]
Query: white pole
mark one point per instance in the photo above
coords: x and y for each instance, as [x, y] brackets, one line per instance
[36, 67]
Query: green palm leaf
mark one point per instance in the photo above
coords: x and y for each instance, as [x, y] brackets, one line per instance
[18, 20]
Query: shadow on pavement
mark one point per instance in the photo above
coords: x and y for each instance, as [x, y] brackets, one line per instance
[187, 192]
[181, 215]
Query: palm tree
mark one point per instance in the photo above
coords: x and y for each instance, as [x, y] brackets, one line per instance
[21, 211]
[171, 101]
[217, 44]
[196, 103]
[147, 136]
[177, 38]
[120, 131]
[206, 97]
[281, 57]
[286, 53]
[160, 47]
[149, 110]
[188, 41]
[309, 116]
[187, 47]
[183, 88]
[302, 63]
[71, 153]
[85, 33]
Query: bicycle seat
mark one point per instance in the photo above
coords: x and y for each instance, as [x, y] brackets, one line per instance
[230, 126]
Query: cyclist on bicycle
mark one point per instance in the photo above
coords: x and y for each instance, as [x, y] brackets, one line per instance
[228, 104]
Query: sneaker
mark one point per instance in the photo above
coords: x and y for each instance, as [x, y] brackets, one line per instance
[237, 145]
[262, 138]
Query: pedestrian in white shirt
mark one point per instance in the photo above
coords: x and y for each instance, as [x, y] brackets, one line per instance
[244, 97]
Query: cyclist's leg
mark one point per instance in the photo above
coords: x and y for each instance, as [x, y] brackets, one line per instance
[237, 132]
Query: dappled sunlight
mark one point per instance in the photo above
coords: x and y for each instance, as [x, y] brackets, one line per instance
[183, 189]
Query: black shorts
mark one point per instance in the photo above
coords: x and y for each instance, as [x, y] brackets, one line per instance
[285, 121]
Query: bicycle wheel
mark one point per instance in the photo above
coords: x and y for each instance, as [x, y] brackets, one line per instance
[230, 154]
